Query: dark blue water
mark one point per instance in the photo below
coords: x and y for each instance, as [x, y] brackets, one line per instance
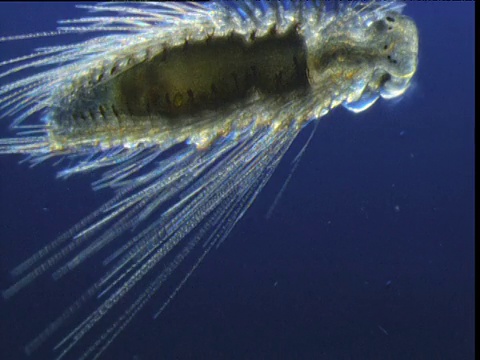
[369, 254]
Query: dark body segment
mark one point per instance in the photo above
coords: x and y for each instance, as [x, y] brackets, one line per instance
[183, 81]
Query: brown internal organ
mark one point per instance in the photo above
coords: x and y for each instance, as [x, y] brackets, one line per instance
[210, 74]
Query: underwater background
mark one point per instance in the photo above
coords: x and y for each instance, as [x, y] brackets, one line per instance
[368, 255]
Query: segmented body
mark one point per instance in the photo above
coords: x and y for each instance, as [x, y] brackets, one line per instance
[205, 86]
[189, 108]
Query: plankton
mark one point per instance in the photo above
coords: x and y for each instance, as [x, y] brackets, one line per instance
[184, 110]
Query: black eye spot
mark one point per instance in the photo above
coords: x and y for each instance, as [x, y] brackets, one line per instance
[391, 19]
[385, 47]
[393, 61]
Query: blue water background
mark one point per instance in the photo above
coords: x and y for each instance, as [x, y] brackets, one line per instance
[369, 254]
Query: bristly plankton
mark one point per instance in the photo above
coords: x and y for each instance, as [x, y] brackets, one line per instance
[185, 109]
